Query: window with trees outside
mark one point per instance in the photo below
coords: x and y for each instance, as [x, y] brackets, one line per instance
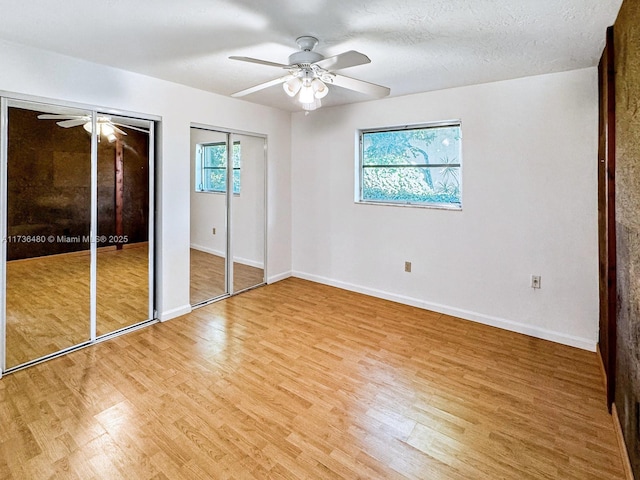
[413, 165]
[211, 167]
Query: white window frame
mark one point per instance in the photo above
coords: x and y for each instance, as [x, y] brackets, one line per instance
[360, 166]
[201, 170]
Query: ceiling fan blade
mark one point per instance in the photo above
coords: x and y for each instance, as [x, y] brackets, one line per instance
[360, 86]
[72, 123]
[344, 60]
[116, 129]
[262, 86]
[53, 116]
[130, 127]
[260, 62]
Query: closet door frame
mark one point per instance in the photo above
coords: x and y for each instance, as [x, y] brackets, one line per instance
[7, 99]
[4, 124]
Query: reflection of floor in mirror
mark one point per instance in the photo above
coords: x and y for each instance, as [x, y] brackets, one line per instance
[48, 299]
[207, 276]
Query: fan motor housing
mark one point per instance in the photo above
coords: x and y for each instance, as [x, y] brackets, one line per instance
[307, 56]
[304, 57]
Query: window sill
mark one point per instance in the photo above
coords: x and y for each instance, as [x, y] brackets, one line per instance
[211, 192]
[434, 206]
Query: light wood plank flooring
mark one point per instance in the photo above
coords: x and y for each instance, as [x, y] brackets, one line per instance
[208, 272]
[302, 381]
[48, 299]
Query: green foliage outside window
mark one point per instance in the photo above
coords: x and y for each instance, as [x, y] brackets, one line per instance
[214, 168]
[412, 166]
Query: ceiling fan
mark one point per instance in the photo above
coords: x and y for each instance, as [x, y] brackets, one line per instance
[106, 126]
[310, 73]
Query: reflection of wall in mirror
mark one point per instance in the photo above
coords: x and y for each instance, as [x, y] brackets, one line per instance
[49, 187]
[208, 209]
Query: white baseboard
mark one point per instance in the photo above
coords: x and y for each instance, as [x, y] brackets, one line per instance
[204, 249]
[248, 262]
[174, 313]
[244, 261]
[542, 333]
[278, 277]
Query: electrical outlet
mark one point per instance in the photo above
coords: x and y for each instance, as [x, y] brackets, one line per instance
[214, 230]
[536, 281]
[407, 267]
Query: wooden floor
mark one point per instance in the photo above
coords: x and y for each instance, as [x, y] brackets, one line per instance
[48, 299]
[208, 276]
[302, 381]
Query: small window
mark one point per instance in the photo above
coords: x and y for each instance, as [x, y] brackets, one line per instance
[414, 165]
[211, 167]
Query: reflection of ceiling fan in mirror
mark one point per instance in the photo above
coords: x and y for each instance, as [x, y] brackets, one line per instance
[310, 73]
[106, 126]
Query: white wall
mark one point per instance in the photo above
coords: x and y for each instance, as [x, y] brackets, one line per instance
[529, 207]
[36, 72]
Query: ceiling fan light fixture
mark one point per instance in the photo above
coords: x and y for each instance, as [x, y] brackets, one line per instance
[105, 129]
[312, 106]
[292, 87]
[320, 89]
[306, 95]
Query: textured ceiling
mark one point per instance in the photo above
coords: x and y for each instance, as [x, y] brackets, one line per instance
[414, 45]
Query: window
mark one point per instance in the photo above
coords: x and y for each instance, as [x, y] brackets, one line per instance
[413, 165]
[211, 167]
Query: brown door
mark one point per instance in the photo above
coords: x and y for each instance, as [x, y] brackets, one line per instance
[606, 216]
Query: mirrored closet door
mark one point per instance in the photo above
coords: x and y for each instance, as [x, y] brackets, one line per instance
[48, 227]
[208, 252]
[76, 214]
[248, 213]
[227, 213]
[125, 224]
